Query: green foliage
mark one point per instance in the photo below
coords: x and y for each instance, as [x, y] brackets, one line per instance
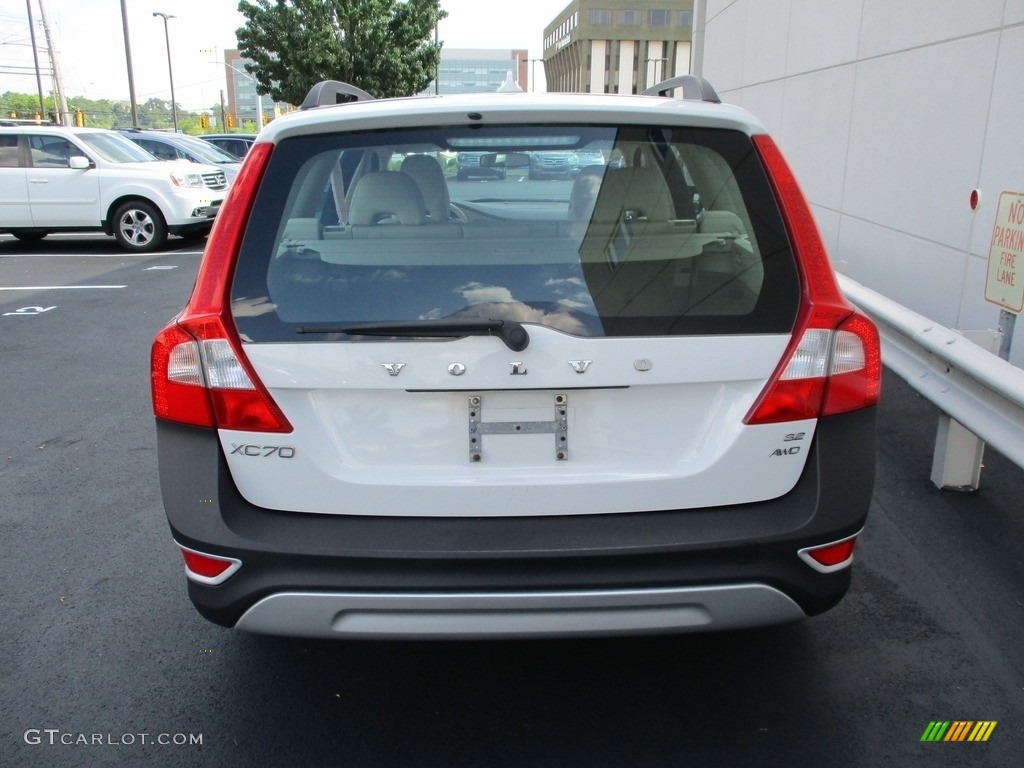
[384, 47]
[101, 113]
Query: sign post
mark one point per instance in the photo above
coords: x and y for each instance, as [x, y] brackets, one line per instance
[1004, 284]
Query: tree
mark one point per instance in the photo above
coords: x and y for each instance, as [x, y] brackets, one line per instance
[384, 47]
[24, 105]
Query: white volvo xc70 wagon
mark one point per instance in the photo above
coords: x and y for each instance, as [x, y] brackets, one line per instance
[628, 401]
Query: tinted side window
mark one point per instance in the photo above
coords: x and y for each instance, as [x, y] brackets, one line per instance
[10, 157]
[52, 151]
[158, 148]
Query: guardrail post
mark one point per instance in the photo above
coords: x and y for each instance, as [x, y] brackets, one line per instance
[957, 460]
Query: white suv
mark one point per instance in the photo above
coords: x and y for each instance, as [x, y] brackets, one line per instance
[397, 405]
[56, 179]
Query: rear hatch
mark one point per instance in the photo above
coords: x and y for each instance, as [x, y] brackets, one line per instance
[603, 344]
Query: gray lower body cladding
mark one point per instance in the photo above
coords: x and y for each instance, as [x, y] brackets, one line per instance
[325, 559]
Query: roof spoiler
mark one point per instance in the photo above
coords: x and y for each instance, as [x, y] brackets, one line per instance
[695, 88]
[331, 92]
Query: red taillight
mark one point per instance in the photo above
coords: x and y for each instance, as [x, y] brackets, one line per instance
[833, 363]
[200, 377]
[855, 370]
[176, 379]
[198, 371]
[827, 558]
[208, 569]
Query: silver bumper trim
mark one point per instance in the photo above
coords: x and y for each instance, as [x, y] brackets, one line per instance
[528, 614]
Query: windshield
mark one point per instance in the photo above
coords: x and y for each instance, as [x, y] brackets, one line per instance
[115, 148]
[205, 151]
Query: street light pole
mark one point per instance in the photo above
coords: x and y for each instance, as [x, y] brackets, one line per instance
[533, 74]
[256, 87]
[170, 70]
[663, 61]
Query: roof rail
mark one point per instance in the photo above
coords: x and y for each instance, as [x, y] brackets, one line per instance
[695, 88]
[330, 92]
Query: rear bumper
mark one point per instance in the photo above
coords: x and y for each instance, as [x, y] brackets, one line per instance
[520, 614]
[677, 570]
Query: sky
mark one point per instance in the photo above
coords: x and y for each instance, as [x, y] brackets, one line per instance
[90, 44]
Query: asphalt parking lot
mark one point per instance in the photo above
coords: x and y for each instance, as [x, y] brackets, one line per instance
[103, 661]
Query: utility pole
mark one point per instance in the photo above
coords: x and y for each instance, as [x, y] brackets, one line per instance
[128, 59]
[170, 70]
[64, 117]
[35, 57]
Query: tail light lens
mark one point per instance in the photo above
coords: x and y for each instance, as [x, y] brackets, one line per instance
[198, 370]
[833, 363]
[200, 378]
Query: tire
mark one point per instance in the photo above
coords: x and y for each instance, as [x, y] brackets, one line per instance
[139, 227]
[28, 236]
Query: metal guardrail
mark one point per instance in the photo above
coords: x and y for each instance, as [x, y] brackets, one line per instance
[973, 386]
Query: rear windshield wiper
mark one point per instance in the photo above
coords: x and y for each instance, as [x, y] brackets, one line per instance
[509, 331]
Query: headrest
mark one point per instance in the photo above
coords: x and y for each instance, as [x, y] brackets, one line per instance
[643, 191]
[721, 221]
[384, 194]
[429, 177]
[584, 192]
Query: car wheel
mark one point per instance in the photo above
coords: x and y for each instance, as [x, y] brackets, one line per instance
[139, 227]
[29, 236]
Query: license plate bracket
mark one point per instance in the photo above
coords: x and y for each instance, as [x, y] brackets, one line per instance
[558, 427]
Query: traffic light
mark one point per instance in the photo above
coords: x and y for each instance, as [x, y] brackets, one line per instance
[231, 121]
[265, 120]
[204, 122]
[79, 118]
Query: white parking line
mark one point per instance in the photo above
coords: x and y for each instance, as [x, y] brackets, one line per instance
[55, 287]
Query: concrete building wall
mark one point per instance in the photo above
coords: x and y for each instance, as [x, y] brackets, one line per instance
[891, 112]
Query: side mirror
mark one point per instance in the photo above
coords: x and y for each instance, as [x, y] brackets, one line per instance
[79, 163]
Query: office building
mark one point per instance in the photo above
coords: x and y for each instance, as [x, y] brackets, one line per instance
[471, 70]
[617, 46]
[243, 102]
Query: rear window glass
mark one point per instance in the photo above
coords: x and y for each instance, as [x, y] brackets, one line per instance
[591, 230]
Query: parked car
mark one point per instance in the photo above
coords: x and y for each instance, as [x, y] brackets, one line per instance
[178, 146]
[234, 144]
[398, 407]
[585, 157]
[57, 179]
[554, 164]
[469, 167]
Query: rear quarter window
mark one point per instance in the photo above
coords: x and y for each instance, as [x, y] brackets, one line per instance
[656, 231]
